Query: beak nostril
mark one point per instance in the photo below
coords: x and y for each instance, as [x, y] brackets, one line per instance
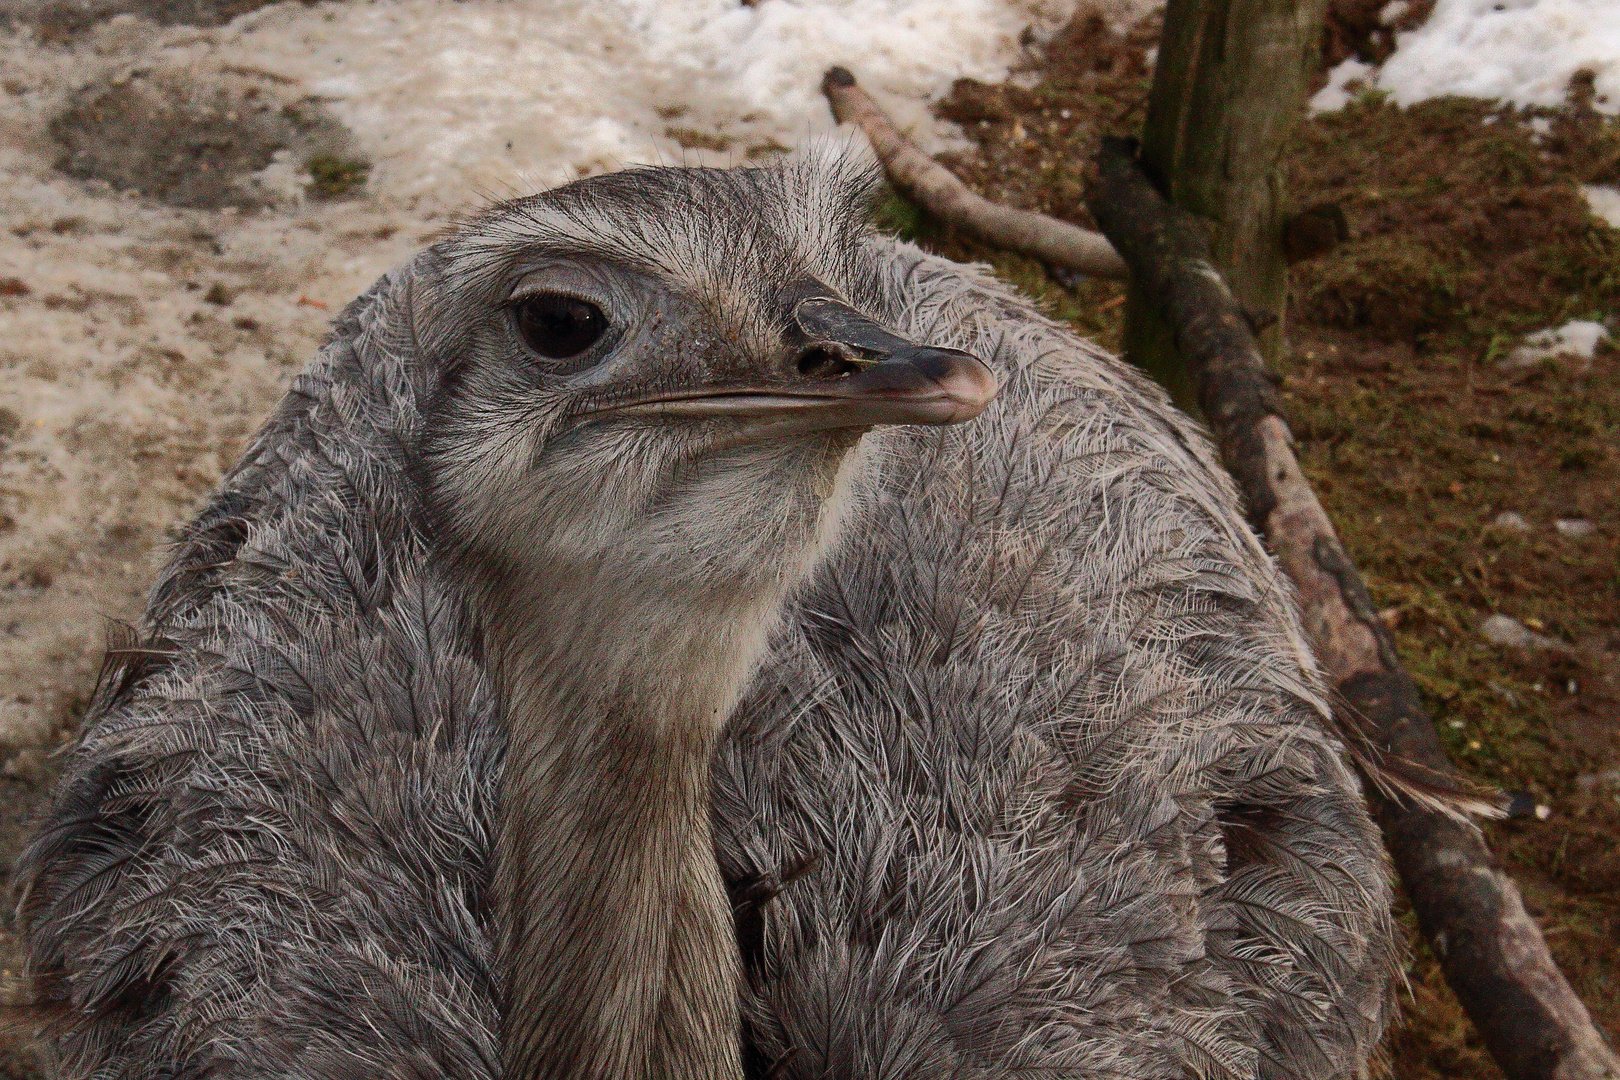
[821, 362]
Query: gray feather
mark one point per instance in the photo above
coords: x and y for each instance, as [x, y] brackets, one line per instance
[1054, 746]
[1036, 779]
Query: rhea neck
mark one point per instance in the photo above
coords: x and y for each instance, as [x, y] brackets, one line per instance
[616, 944]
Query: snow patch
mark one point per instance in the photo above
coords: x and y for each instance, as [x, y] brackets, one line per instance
[1518, 51]
[1343, 81]
[1578, 338]
[1604, 201]
[453, 99]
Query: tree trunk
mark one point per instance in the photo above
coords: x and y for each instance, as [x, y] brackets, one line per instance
[1228, 89]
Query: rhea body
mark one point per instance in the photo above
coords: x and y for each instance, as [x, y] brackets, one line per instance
[421, 767]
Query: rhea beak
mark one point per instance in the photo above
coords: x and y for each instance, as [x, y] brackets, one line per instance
[847, 372]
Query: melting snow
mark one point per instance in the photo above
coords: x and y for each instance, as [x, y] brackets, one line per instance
[1604, 201]
[451, 98]
[1578, 338]
[1343, 80]
[1520, 51]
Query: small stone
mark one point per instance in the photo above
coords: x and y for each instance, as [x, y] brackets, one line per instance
[1504, 630]
[1507, 519]
[1574, 527]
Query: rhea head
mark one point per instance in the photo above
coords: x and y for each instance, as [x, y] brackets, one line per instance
[652, 388]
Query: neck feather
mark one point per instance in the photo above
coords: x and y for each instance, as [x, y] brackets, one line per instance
[617, 941]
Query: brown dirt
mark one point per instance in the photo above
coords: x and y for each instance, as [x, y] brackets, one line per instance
[1467, 231]
[58, 21]
[1357, 28]
[201, 139]
[21, 799]
[1469, 228]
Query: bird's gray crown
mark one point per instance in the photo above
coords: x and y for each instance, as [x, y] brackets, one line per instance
[665, 370]
[730, 237]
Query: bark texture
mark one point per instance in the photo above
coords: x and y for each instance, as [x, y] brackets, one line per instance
[1228, 87]
[1492, 951]
[924, 181]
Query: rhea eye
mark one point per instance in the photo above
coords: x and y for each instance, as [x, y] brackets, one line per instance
[558, 326]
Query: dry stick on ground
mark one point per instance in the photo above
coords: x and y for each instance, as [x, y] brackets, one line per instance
[924, 181]
[1492, 952]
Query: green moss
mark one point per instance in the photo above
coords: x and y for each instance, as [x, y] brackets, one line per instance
[896, 215]
[1080, 304]
[333, 177]
[1465, 249]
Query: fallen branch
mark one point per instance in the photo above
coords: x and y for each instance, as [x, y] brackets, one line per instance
[921, 179]
[1493, 954]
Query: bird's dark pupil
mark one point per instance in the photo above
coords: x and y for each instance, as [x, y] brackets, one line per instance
[559, 326]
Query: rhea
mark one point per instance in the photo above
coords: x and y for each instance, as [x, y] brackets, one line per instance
[625, 655]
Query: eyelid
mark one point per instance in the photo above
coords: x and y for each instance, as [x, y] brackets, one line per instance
[519, 298]
[557, 281]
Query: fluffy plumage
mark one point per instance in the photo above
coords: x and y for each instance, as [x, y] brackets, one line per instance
[1036, 777]
[1046, 757]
